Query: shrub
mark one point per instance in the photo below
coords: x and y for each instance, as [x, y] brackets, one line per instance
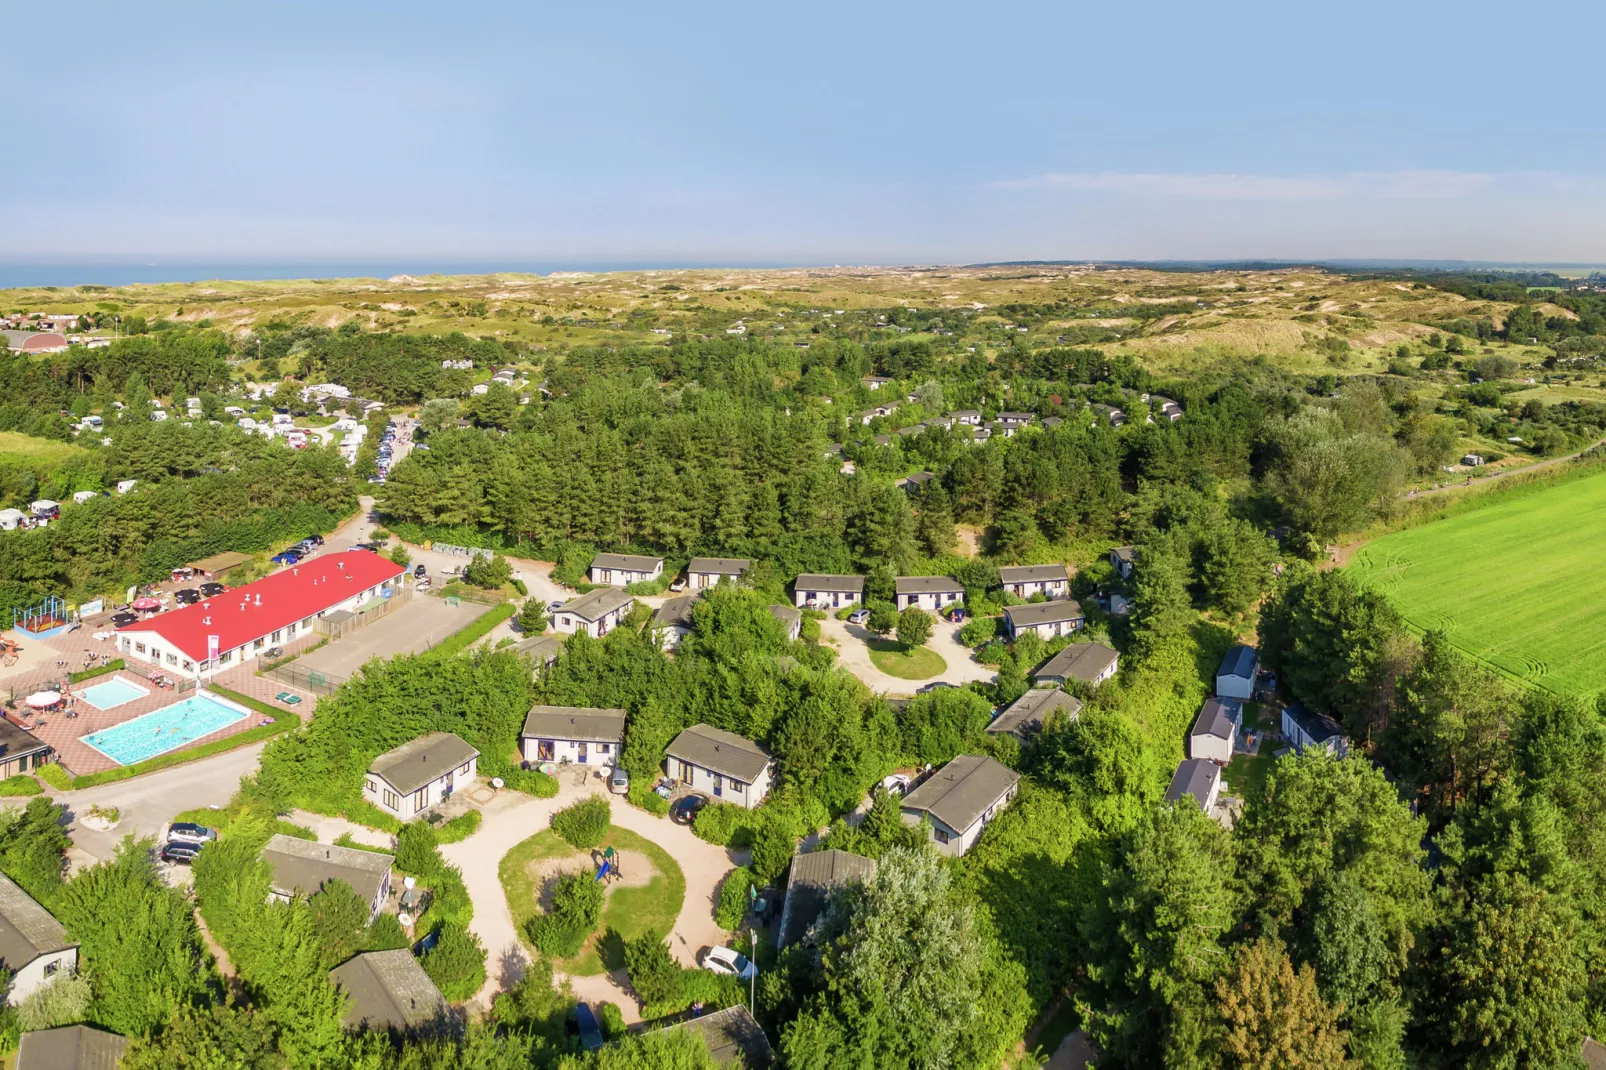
[979, 630]
[726, 824]
[640, 795]
[385, 934]
[364, 812]
[734, 895]
[416, 850]
[531, 782]
[773, 847]
[21, 784]
[55, 776]
[654, 973]
[576, 908]
[490, 573]
[63, 1001]
[458, 828]
[456, 963]
[449, 902]
[108, 814]
[522, 588]
[583, 824]
[613, 1021]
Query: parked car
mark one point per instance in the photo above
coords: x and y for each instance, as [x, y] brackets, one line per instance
[685, 810]
[858, 616]
[731, 963]
[316, 540]
[895, 784]
[678, 585]
[935, 686]
[180, 852]
[584, 1025]
[289, 557]
[619, 782]
[553, 607]
[419, 572]
[190, 832]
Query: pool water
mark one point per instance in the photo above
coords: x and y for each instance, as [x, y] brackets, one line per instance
[113, 692]
[166, 729]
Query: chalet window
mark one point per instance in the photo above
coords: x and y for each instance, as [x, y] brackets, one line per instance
[307, 623]
[738, 786]
[52, 967]
[602, 748]
[290, 630]
[258, 644]
[372, 787]
[225, 657]
[276, 635]
[463, 770]
[420, 798]
[941, 834]
[391, 801]
[172, 659]
[140, 647]
[188, 664]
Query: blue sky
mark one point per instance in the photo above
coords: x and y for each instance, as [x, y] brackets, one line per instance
[821, 133]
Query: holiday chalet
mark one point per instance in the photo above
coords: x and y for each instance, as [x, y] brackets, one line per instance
[239, 624]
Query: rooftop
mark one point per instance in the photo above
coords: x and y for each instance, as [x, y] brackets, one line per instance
[628, 562]
[422, 761]
[1218, 718]
[962, 791]
[1055, 612]
[1194, 778]
[787, 615]
[389, 990]
[811, 581]
[928, 585]
[72, 1047]
[1079, 661]
[723, 566]
[27, 930]
[594, 605]
[809, 886]
[1315, 725]
[676, 612]
[221, 562]
[575, 722]
[1032, 573]
[733, 1036]
[301, 867]
[1239, 661]
[250, 612]
[1032, 710]
[720, 751]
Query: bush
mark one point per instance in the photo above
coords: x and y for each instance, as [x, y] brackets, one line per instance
[521, 587]
[654, 973]
[726, 824]
[99, 670]
[576, 908]
[477, 629]
[613, 1021]
[456, 963]
[21, 784]
[531, 782]
[449, 902]
[773, 846]
[642, 796]
[490, 573]
[458, 828]
[63, 1001]
[55, 776]
[416, 850]
[363, 812]
[979, 630]
[733, 898]
[385, 934]
[583, 824]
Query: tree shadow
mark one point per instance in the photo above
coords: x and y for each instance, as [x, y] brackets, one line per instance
[611, 949]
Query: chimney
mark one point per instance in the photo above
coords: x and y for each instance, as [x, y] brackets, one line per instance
[259, 599]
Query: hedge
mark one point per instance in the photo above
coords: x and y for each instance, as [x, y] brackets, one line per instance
[21, 784]
[477, 629]
[734, 895]
[584, 824]
[645, 798]
[283, 720]
[363, 812]
[531, 782]
[55, 775]
[102, 670]
[458, 828]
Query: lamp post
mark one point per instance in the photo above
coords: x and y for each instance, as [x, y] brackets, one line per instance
[752, 980]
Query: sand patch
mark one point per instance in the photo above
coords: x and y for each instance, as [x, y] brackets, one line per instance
[635, 871]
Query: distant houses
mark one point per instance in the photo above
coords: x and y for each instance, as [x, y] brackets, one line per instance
[827, 592]
[1091, 663]
[1215, 730]
[1024, 581]
[672, 621]
[1305, 728]
[1045, 619]
[620, 569]
[1121, 559]
[791, 619]
[959, 800]
[930, 593]
[420, 775]
[580, 734]
[721, 764]
[596, 612]
[704, 572]
[34, 946]
[1198, 780]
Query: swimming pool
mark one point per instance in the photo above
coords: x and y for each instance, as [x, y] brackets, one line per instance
[113, 692]
[166, 729]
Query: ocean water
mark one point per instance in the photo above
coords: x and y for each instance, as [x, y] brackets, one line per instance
[64, 274]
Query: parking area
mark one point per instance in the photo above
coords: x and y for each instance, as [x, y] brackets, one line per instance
[418, 625]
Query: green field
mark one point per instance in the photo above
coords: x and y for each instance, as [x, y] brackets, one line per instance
[1515, 582]
[37, 449]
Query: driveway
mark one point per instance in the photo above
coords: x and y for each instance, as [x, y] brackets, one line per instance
[854, 656]
[512, 818]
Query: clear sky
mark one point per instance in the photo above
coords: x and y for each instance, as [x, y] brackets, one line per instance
[826, 132]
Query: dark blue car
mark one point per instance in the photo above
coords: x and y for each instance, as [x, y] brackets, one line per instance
[586, 1025]
[289, 557]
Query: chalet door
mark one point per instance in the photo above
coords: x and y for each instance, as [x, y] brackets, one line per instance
[686, 769]
[580, 749]
[543, 750]
[719, 785]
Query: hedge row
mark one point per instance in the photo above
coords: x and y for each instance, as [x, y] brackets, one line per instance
[460, 641]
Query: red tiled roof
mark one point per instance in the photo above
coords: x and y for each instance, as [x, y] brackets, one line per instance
[271, 603]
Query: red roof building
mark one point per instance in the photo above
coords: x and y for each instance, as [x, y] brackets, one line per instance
[269, 611]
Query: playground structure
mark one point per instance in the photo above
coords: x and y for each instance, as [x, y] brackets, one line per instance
[48, 618]
[607, 867]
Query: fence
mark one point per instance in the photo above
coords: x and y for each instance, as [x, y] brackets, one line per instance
[319, 683]
[337, 626]
[183, 684]
[462, 551]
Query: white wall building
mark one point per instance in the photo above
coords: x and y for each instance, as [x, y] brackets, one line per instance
[721, 764]
[581, 735]
[420, 775]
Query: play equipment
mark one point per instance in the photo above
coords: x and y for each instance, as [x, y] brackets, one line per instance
[50, 617]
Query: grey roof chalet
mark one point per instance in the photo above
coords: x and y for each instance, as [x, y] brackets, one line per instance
[541, 649]
[719, 566]
[929, 585]
[919, 479]
[883, 440]
[422, 761]
[576, 723]
[389, 990]
[1194, 778]
[1033, 709]
[733, 1037]
[1218, 718]
[790, 616]
[1052, 421]
[594, 605]
[1058, 611]
[1016, 417]
[1123, 554]
[1032, 573]
[627, 562]
[962, 791]
[675, 613]
[835, 584]
[809, 886]
[1318, 727]
[27, 930]
[1079, 661]
[1239, 662]
[912, 429]
[301, 867]
[72, 1047]
[721, 752]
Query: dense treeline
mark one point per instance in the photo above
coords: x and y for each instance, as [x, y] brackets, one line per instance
[394, 368]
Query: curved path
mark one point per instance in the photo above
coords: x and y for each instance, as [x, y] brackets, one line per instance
[1503, 473]
[853, 655]
[512, 818]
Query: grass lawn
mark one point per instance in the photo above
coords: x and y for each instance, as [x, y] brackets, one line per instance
[1246, 774]
[45, 449]
[1513, 582]
[628, 911]
[894, 659]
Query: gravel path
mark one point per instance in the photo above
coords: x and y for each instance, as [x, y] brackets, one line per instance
[854, 656]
